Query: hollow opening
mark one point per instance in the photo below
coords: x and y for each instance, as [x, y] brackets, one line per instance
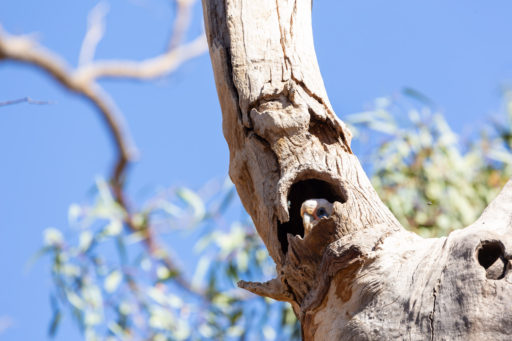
[300, 192]
[489, 252]
[491, 257]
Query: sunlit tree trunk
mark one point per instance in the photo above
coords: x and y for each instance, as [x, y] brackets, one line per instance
[358, 275]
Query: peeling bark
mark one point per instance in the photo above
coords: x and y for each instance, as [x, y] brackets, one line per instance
[358, 275]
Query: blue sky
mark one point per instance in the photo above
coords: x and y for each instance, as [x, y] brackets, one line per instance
[456, 52]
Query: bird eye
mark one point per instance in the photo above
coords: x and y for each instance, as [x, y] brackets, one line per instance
[321, 212]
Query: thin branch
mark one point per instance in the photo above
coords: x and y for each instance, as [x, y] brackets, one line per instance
[24, 100]
[153, 246]
[95, 32]
[150, 68]
[147, 69]
[181, 23]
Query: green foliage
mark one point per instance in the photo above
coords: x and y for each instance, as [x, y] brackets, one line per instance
[423, 172]
[113, 275]
[119, 284]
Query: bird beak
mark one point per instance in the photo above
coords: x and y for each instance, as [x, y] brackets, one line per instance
[307, 212]
[308, 218]
[307, 221]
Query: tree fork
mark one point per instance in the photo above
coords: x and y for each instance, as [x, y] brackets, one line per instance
[358, 275]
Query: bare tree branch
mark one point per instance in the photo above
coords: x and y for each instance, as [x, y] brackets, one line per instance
[83, 81]
[147, 69]
[24, 100]
[95, 32]
[27, 51]
[181, 22]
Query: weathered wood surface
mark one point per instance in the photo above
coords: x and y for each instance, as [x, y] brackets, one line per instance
[358, 275]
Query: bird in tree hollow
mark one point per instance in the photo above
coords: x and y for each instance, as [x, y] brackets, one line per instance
[312, 210]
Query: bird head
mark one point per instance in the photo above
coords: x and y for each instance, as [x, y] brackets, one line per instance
[312, 210]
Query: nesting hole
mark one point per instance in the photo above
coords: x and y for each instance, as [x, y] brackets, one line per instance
[491, 256]
[300, 192]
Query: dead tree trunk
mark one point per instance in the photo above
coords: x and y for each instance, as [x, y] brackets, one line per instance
[358, 275]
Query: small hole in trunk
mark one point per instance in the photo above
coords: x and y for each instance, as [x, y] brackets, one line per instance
[491, 257]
